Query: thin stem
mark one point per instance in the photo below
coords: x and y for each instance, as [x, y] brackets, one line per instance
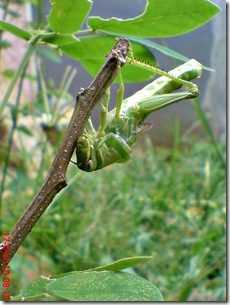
[32, 43]
[44, 91]
[205, 124]
[18, 72]
[14, 124]
[83, 32]
[64, 87]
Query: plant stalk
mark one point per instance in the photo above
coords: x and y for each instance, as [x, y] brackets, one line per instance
[18, 72]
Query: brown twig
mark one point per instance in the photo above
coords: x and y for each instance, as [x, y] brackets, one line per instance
[56, 178]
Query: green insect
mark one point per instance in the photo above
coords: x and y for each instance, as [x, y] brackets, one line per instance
[113, 141]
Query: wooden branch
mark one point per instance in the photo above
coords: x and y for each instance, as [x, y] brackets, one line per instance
[56, 178]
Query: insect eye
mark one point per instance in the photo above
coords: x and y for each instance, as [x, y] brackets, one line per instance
[89, 165]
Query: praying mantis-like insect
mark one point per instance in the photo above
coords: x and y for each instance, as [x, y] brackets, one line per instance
[113, 141]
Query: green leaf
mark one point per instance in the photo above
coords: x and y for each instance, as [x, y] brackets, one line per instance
[156, 46]
[124, 263]
[10, 12]
[160, 19]
[115, 266]
[104, 286]
[5, 26]
[162, 49]
[91, 51]
[10, 73]
[25, 130]
[35, 288]
[4, 44]
[67, 17]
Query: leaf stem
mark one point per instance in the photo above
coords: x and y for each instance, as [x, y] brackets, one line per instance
[19, 71]
[13, 128]
[32, 43]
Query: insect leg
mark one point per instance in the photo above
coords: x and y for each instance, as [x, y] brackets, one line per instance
[164, 85]
[192, 87]
[120, 94]
[90, 126]
[104, 110]
[156, 102]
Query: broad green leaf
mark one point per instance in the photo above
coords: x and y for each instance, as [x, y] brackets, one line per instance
[124, 263]
[115, 266]
[5, 26]
[160, 19]
[91, 52]
[35, 288]
[104, 286]
[67, 17]
[162, 49]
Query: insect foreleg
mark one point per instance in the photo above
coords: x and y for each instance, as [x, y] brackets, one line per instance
[104, 110]
[156, 102]
[120, 94]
